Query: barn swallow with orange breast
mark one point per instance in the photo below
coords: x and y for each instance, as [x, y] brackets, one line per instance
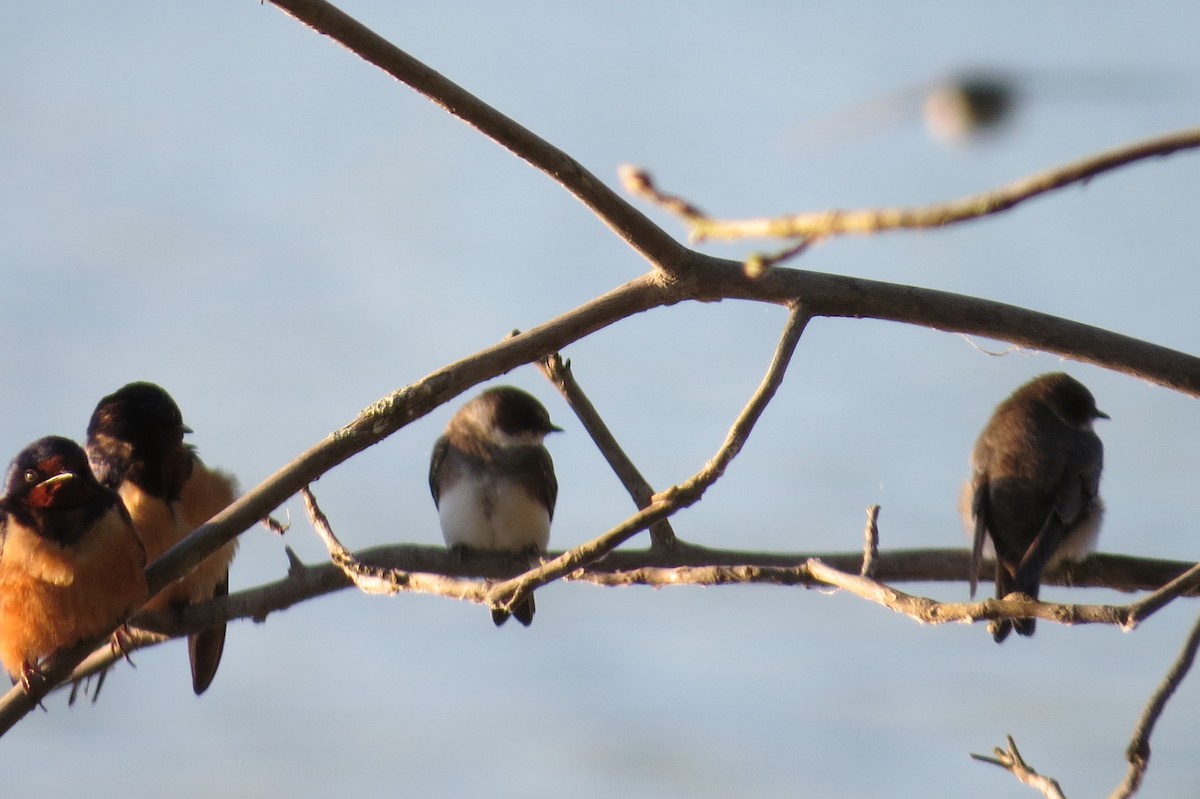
[71, 564]
[1035, 487]
[493, 481]
[135, 445]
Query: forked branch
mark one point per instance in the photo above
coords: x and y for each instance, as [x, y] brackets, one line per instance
[808, 227]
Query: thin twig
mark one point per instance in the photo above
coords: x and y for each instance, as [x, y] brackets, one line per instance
[1138, 752]
[1182, 585]
[369, 581]
[665, 504]
[560, 374]
[639, 184]
[1010, 760]
[825, 224]
[871, 546]
[372, 579]
[930, 611]
[759, 263]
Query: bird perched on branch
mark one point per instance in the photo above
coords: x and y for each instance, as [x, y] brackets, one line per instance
[71, 564]
[135, 444]
[1035, 486]
[493, 480]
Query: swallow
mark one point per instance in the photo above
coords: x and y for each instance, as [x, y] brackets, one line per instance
[1035, 487]
[135, 445]
[71, 564]
[493, 481]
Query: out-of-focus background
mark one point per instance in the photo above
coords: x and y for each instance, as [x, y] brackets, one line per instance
[210, 196]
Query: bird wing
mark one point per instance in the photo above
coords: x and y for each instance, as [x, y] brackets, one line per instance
[979, 512]
[1073, 497]
[549, 483]
[1049, 538]
[435, 462]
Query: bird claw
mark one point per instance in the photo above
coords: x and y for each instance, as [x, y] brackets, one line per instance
[33, 679]
[121, 643]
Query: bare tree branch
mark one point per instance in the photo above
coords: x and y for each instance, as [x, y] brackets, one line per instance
[930, 611]
[1010, 760]
[1138, 753]
[375, 580]
[1182, 585]
[558, 372]
[825, 224]
[506, 594]
[687, 564]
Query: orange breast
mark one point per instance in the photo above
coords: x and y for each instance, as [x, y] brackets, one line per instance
[206, 492]
[53, 596]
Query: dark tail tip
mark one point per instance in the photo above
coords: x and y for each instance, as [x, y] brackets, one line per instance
[1000, 630]
[205, 648]
[524, 611]
[204, 651]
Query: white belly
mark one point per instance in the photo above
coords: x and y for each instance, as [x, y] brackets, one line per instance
[487, 514]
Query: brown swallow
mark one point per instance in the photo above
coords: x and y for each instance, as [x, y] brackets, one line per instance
[135, 444]
[1035, 486]
[493, 480]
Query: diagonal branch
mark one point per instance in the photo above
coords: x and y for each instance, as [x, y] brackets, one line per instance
[665, 504]
[627, 222]
[1182, 585]
[1138, 753]
[378, 580]
[559, 372]
[825, 224]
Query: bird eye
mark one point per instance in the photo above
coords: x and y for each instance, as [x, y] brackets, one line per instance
[31, 476]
